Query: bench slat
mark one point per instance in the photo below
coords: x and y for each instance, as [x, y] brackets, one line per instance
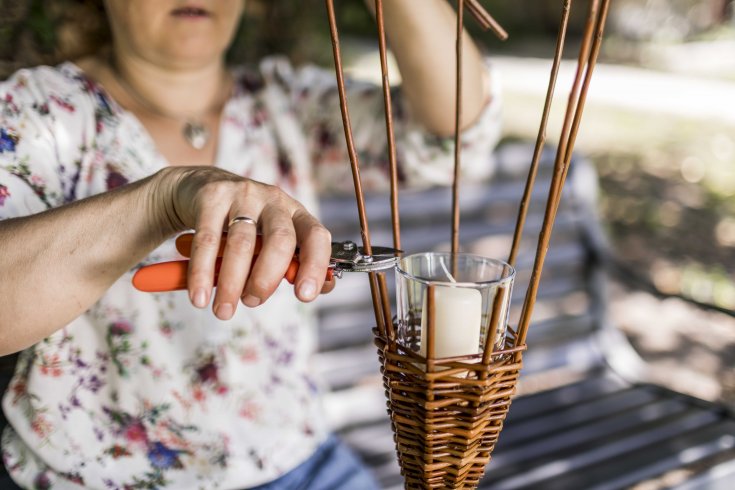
[608, 425]
[652, 460]
[596, 450]
[559, 421]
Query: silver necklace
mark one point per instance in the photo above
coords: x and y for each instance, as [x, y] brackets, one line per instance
[194, 131]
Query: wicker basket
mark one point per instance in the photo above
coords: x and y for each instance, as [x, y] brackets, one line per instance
[446, 414]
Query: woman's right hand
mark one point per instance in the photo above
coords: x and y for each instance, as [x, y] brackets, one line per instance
[205, 199]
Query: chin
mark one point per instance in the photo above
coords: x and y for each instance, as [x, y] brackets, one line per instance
[191, 62]
[185, 55]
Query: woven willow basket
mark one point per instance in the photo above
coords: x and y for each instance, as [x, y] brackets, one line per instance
[447, 414]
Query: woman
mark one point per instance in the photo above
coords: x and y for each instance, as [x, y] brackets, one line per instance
[105, 159]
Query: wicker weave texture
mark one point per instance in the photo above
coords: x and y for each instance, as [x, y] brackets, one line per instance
[447, 414]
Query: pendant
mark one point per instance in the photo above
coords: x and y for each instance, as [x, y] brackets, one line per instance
[196, 134]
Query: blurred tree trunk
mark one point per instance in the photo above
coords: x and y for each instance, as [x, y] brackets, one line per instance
[14, 13]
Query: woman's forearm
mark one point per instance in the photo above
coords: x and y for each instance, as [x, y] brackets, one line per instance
[422, 37]
[56, 264]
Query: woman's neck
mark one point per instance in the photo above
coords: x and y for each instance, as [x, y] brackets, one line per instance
[166, 100]
[191, 91]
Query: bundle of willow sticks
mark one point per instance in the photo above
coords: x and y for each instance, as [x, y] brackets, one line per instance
[447, 413]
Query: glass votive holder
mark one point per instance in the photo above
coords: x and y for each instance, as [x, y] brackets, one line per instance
[471, 300]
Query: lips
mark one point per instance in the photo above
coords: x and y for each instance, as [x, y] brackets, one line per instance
[190, 12]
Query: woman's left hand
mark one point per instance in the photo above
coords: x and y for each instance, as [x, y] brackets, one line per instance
[206, 199]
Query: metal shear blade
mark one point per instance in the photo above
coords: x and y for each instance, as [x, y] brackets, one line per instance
[348, 257]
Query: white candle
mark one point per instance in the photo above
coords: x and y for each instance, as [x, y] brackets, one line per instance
[457, 320]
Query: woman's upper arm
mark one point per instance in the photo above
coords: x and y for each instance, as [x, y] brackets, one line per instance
[424, 159]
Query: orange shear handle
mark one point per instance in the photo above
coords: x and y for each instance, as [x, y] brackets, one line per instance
[173, 276]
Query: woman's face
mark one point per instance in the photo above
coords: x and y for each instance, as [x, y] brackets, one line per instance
[174, 33]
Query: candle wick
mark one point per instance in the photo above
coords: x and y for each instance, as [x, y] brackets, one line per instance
[446, 271]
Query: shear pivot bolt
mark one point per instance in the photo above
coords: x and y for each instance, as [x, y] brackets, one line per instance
[348, 246]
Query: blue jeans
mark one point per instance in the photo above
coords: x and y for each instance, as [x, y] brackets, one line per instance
[332, 467]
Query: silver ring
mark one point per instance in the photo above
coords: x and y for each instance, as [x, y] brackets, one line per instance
[241, 219]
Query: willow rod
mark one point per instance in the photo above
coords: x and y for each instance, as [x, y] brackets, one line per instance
[395, 215]
[385, 306]
[594, 52]
[597, 18]
[590, 53]
[430, 356]
[457, 131]
[355, 165]
[541, 138]
[588, 77]
[574, 97]
[430, 328]
[486, 20]
[559, 175]
[495, 318]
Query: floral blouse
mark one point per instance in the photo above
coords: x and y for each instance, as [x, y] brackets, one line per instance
[144, 390]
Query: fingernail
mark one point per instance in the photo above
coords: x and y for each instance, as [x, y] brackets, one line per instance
[224, 311]
[307, 289]
[199, 298]
[251, 301]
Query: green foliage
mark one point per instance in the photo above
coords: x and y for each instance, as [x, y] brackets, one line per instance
[6, 37]
[42, 26]
[296, 28]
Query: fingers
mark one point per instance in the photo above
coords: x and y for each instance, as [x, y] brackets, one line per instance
[279, 245]
[328, 286]
[315, 248]
[204, 247]
[236, 262]
[210, 199]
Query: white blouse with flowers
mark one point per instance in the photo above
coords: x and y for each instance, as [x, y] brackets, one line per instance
[143, 390]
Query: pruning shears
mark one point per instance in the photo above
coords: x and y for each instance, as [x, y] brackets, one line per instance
[346, 256]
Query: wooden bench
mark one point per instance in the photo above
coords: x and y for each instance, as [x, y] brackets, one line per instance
[595, 424]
